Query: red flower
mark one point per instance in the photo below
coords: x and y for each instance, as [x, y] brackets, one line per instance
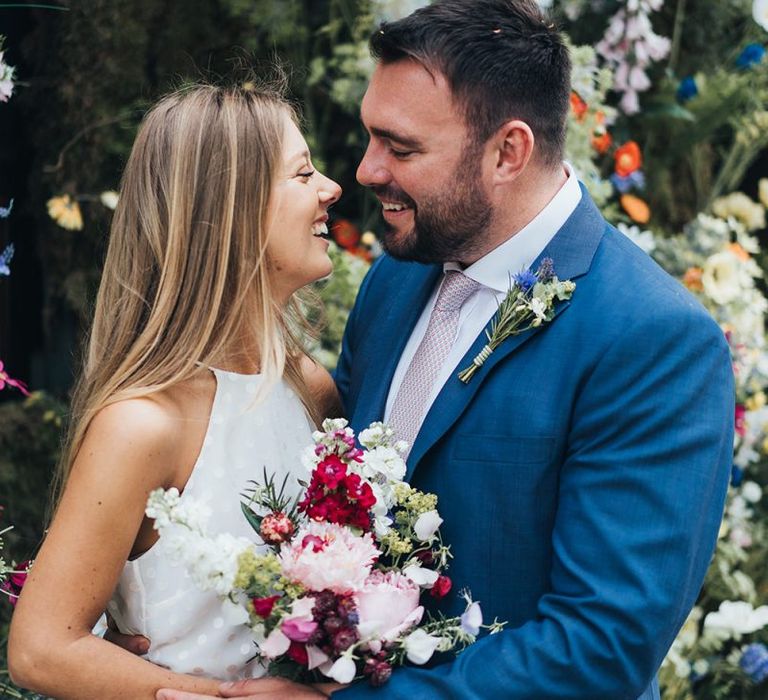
[314, 541]
[298, 652]
[628, 159]
[263, 606]
[578, 106]
[346, 234]
[441, 587]
[331, 471]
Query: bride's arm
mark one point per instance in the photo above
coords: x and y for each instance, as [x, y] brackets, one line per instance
[130, 448]
[322, 388]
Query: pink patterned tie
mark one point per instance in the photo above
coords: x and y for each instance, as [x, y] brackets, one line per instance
[408, 409]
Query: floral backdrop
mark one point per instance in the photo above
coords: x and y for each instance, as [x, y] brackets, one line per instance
[668, 130]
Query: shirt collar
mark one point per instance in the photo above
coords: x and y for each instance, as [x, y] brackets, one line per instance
[522, 248]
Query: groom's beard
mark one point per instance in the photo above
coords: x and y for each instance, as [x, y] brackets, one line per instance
[449, 226]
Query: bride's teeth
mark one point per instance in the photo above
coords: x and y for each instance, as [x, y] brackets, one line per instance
[320, 230]
[393, 207]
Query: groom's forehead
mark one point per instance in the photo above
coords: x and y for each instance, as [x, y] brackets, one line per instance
[406, 97]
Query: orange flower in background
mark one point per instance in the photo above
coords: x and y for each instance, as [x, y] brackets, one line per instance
[345, 233]
[636, 208]
[739, 251]
[578, 106]
[628, 159]
[601, 140]
[692, 279]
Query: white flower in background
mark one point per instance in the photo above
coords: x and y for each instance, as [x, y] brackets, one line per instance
[751, 492]
[762, 191]
[734, 619]
[643, 239]
[383, 464]
[109, 199]
[742, 208]
[420, 646]
[722, 278]
[760, 13]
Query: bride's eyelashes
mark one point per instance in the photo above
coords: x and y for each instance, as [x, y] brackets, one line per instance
[306, 175]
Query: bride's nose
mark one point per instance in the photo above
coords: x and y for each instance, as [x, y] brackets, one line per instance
[329, 191]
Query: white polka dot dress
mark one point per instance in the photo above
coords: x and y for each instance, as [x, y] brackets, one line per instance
[188, 628]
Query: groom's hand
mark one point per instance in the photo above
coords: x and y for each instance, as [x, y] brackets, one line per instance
[258, 689]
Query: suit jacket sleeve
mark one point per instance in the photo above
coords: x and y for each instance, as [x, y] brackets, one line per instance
[641, 492]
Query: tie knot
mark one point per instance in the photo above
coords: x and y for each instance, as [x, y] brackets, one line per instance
[456, 289]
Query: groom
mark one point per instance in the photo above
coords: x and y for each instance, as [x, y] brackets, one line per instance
[582, 470]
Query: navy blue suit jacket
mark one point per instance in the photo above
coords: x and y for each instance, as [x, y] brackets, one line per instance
[581, 473]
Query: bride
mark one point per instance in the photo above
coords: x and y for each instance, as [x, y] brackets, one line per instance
[195, 378]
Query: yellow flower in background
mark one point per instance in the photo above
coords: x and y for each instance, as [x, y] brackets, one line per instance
[756, 401]
[109, 199]
[65, 211]
[762, 191]
[740, 207]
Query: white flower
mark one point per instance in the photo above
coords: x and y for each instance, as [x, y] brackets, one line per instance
[642, 239]
[735, 618]
[472, 619]
[275, 645]
[751, 491]
[426, 525]
[760, 13]
[384, 462]
[539, 308]
[343, 670]
[109, 199]
[742, 208]
[420, 576]
[762, 188]
[419, 646]
[721, 277]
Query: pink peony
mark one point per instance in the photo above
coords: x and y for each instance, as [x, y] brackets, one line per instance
[388, 605]
[298, 630]
[328, 556]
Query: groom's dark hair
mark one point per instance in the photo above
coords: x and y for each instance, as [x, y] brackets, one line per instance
[502, 58]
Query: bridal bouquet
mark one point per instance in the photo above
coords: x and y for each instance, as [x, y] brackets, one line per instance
[335, 585]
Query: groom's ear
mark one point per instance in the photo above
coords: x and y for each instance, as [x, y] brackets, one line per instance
[513, 146]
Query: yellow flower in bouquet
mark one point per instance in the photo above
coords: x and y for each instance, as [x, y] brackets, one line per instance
[740, 207]
[65, 211]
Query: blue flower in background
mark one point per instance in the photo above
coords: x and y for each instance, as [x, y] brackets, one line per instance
[751, 55]
[5, 212]
[635, 179]
[754, 662]
[687, 89]
[525, 280]
[5, 260]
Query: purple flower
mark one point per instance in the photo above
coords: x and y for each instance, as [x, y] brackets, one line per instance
[754, 662]
[546, 270]
[687, 89]
[751, 55]
[636, 180]
[525, 280]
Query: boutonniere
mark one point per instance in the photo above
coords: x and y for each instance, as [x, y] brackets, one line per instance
[529, 302]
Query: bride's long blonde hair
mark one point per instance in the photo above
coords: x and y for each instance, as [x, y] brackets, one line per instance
[185, 278]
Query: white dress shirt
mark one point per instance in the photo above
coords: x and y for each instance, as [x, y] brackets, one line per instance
[493, 272]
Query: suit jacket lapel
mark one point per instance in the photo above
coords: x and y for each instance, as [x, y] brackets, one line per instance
[571, 250]
[389, 336]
